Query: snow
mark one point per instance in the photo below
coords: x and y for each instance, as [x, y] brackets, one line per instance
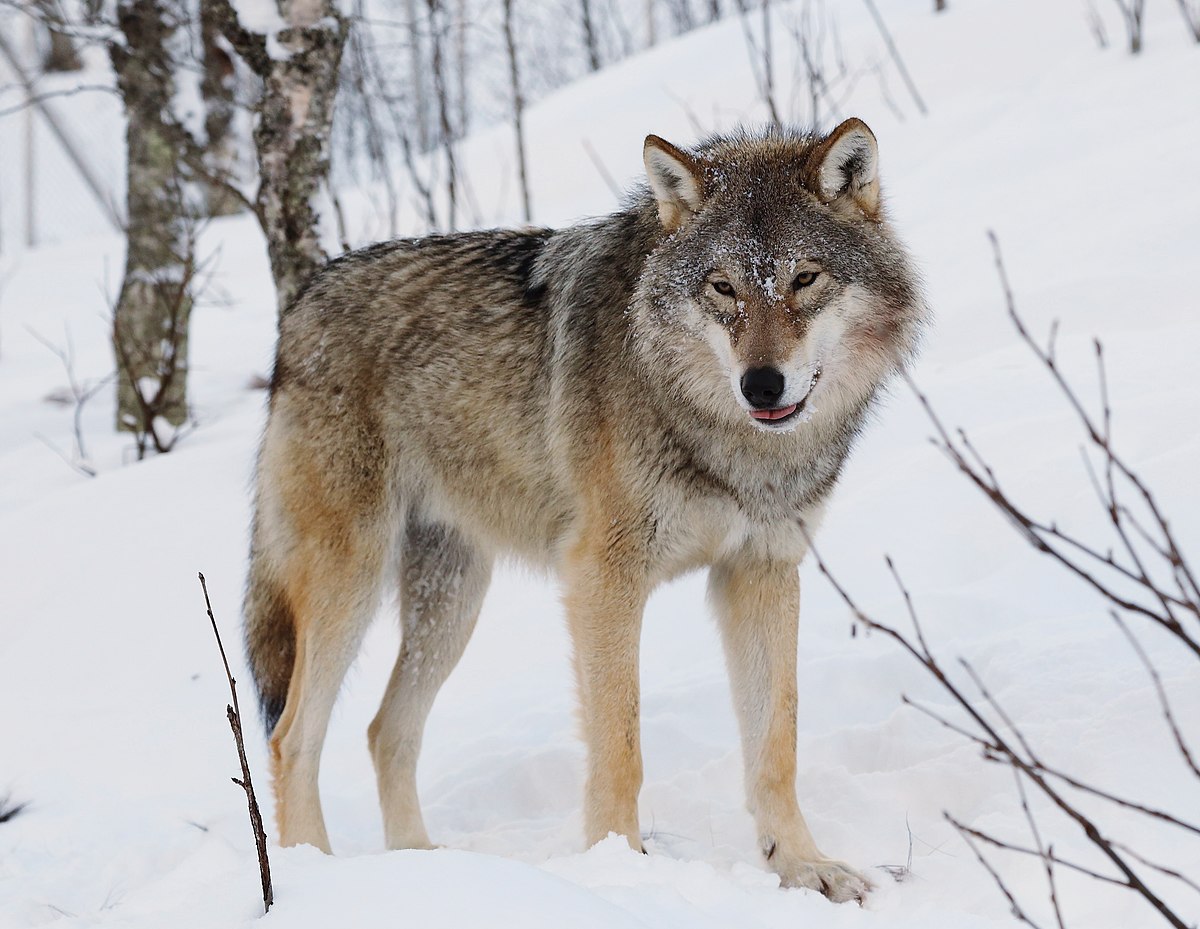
[1083, 161]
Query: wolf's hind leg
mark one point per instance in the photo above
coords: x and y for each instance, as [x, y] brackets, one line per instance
[443, 579]
[332, 586]
[758, 605]
[323, 528]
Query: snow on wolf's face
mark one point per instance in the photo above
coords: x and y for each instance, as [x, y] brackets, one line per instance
[780, 291]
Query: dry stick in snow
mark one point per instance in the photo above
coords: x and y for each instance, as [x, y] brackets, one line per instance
[895, 53]
[81, 393]
[235, 723]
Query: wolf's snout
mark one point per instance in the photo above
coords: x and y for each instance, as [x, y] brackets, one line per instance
[762, 387]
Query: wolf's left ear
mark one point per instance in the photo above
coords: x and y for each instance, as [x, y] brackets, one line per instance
[675, 180]
[846, 165]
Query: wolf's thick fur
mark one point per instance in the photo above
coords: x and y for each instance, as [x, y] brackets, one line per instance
[671, 387]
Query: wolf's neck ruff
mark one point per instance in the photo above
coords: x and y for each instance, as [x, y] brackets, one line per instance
[672, 387]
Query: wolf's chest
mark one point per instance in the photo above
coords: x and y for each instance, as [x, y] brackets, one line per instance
[703, 529]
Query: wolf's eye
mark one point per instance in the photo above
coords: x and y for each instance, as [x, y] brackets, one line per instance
[724, 288]
[803, 279]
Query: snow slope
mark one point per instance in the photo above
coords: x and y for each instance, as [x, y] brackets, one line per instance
[1084, 162]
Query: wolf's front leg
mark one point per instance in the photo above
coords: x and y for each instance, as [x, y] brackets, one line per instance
[758, 606]
[605, 594]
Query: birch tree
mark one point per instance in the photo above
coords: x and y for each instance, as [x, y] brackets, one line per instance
[291, 138]
[150, 320]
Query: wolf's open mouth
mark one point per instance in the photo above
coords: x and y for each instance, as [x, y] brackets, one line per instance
[785, 414]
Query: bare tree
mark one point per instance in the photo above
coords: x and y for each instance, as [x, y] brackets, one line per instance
[939, 6]
[151, 350]
[761, 60]
[1096, 25]
[150, 321]
[821, 63]
[363, 102]
[1191, 16]
[437, 29]
[1147, 581]
[295, 113]
[591, 43]
[681, 15]
[1133, 14]
[461, 62]
[518, 108]
[897, 59]
[417, 75]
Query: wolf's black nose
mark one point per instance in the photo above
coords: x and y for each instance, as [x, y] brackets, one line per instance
[762, 387]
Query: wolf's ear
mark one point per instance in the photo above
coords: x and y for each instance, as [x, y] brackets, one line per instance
[846, 165]
[674, 179]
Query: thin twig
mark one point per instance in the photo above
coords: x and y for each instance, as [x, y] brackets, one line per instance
[895, 53]
[235, 723]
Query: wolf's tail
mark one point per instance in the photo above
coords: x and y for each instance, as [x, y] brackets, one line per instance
[270, 633]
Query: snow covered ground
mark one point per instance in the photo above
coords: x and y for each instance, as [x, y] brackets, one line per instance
[1086, 163]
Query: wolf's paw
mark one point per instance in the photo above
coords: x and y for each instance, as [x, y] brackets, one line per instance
[836, 880]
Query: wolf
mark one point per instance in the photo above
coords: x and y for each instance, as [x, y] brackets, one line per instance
[672, 387]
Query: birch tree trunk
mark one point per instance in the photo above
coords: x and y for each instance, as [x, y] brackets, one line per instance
[295, 115]
[150, 321]
[292, 139]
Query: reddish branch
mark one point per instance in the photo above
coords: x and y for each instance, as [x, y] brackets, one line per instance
[1149, 554]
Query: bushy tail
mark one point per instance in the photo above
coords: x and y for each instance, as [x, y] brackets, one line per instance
[270, 636]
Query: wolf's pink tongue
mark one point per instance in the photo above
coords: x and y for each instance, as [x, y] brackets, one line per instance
[774, 414]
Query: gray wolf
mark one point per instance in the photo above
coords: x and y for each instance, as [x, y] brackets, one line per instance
[672, 387]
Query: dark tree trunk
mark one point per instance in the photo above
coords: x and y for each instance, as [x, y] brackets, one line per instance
[150, 322]
[590, 41]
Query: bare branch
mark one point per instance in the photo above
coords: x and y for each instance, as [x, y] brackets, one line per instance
[233, 712]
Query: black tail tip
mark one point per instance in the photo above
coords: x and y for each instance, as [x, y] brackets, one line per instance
[271, 709]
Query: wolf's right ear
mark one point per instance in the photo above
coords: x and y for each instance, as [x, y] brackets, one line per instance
[674, 179]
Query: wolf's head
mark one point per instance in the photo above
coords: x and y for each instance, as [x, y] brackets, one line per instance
[779, 289]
